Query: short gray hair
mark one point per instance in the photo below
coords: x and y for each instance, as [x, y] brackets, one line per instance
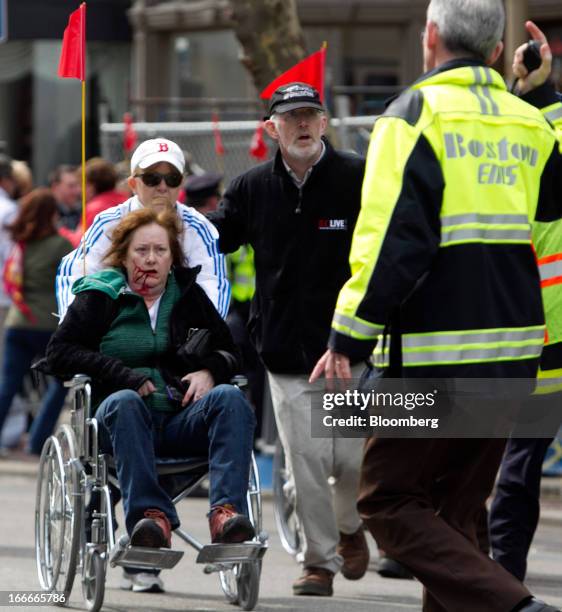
[469, 26]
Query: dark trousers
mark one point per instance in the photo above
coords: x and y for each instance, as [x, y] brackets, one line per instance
[514, 514]
[421, 500]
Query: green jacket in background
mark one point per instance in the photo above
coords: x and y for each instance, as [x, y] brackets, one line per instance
[40, 263]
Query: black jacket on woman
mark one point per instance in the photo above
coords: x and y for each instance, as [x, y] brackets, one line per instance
[75, 346]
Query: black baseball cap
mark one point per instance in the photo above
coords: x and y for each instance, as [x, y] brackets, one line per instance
[292, 96]
[198, 187]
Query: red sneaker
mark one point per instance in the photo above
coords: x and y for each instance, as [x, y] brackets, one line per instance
[229, 527]
[153, 531]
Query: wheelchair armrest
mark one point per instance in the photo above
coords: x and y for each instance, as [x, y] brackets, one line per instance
[239, 381]
[78, 381]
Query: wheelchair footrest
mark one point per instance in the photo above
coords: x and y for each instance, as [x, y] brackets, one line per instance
[231, 553]
[145, 558]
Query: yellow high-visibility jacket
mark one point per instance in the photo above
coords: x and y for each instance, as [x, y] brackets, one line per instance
[242, 273]
[457, 171]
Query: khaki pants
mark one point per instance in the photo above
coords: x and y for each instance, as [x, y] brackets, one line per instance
[323, 509]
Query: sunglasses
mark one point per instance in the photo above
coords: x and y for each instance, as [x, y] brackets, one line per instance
[153, 179]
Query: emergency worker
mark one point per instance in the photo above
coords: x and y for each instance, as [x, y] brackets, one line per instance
[442, 253]
[514, 514]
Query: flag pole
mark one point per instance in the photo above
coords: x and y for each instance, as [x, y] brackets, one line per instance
[83, 55]
[72, 65]
[84, 173]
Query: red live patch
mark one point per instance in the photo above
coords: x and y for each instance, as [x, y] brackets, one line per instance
[332, 224]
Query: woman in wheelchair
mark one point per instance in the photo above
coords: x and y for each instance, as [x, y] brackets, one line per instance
[158, 354]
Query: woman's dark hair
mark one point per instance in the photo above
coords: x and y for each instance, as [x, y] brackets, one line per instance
[101, 174]
[123, 234]
[35, 218]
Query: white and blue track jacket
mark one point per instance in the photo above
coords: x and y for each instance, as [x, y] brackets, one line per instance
[199, 243]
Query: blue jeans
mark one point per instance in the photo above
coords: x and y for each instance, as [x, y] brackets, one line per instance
[21, 346]
[220, 425]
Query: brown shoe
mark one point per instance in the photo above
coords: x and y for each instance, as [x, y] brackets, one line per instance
[229, 527]
[355, 552]
[314, 581]
[153, 531]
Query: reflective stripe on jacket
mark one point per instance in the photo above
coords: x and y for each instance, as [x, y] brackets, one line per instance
[457, 171]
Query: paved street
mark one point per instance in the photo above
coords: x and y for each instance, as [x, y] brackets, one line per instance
[189, 589]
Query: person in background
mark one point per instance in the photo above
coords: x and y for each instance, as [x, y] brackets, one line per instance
[64, 182]
[515, 510]
[23, 177]
[29, 277]
[157, 168]
[101, 194]
[298, 211]
[203, 191]
[8, 210]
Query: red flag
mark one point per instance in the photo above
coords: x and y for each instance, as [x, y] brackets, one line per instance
[219, 147]
[129, 134]
[258, 146]
[72, 63]
[310, 70]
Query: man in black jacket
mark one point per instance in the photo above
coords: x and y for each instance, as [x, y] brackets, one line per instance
[298, 212]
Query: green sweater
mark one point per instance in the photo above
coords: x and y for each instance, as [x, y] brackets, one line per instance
[130, 337]
[40, 262]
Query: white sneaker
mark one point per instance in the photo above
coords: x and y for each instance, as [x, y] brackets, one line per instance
[143, 582]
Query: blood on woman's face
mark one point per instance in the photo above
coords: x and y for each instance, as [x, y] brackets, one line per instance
[148, 260]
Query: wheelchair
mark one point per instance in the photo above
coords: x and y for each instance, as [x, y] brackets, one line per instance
[74, 525]
[284, 503]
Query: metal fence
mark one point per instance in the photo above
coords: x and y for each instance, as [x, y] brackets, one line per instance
[197, 140]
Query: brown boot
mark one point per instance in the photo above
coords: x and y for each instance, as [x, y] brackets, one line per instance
[153, 531]
[355, 552]
[314, 581]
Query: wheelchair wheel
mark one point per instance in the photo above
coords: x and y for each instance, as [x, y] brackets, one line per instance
[241, 584]
[58, 512]
[74, 509]
[248, 584]
[93, 579]
[284, 504]
[241, 581]
[228, 584]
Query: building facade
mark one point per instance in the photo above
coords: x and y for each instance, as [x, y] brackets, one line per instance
[371, 43]
[169, 60]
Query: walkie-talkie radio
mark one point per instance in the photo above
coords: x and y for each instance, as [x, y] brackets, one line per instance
[532, 55]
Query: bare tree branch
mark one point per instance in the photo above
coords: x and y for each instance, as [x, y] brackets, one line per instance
[271, 37]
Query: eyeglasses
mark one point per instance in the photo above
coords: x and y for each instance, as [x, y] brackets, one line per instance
[153, 179]
[308, 114]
